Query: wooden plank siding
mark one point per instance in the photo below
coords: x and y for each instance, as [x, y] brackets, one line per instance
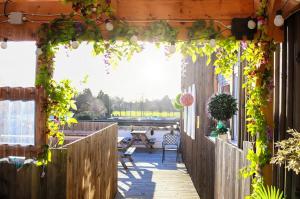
[229, 160]
[199, 154]
[86, 168]
[287, 98]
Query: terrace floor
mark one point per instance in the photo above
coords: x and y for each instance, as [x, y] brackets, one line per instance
[148, 178]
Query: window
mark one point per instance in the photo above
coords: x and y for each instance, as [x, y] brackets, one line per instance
[18, 64]
[22, 119]
[17, 122]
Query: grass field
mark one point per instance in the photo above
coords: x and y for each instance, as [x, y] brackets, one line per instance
[145, 114]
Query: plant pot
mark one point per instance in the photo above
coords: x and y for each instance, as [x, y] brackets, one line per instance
[223, 137]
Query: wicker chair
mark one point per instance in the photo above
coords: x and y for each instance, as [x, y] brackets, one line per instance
[170, 142]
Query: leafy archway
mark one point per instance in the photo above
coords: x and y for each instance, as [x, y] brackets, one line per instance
[204, 39]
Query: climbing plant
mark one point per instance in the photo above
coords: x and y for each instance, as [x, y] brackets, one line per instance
[204, 39]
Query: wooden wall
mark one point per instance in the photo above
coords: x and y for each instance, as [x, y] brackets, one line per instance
[86, 168]
[287, 98]
[199, 154]
[229, 160]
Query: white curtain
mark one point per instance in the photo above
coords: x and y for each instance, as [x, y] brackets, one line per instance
[185, 116]
[17, 122]
[193, 113]
[189, 119]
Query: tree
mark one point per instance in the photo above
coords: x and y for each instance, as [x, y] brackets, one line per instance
[89, 107]
[106, 101]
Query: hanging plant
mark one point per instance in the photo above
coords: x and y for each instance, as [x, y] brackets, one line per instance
[160, 31]
[91, 7]
[61, 31]
[201, 30]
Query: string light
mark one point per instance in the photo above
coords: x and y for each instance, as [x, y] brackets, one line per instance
[38, 51]
[172, 48]
[278, 20]
[4, 43]
[74, 44]
[108, 25]
[251, 24]
[134, 39]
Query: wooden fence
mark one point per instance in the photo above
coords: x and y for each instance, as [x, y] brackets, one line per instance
[229, 159]
[86, 168]
[87, 126]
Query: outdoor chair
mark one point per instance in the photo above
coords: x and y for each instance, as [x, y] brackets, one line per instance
[170, 143]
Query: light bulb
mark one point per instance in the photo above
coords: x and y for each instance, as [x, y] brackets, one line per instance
[4, 44]
[172, 48]
[38, 51]
[75, 44]
[278, 20]
[212, 42]
[134, 39]
[251, 24]
[109, 26]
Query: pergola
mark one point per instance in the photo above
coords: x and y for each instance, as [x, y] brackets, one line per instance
[179, 13]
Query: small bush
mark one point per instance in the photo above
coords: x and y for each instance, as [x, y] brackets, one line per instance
[222, 106]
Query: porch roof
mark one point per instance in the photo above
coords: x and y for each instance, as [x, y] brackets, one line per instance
[179, 13]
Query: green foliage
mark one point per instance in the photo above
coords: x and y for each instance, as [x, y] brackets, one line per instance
[160, 31]
[91, 7]
[222, 106]
[176, 103]
[203, 30]
[269, 192]
[289, 152]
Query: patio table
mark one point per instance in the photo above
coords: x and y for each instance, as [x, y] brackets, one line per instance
[120, 152]
[141, 136]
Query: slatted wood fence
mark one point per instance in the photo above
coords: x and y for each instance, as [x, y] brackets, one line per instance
[229, 159]
[86, 168]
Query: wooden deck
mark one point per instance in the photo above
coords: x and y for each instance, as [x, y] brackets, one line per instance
[149, 178]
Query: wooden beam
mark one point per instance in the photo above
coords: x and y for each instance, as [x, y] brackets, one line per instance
[287, 7]
[136, 12]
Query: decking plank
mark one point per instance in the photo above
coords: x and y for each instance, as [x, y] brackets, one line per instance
[148, 178]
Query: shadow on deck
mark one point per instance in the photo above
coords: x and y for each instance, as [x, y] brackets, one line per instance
[149, 178]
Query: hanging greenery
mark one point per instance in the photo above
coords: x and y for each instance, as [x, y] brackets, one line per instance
[91, 7]
[204, 40]
[60, 95]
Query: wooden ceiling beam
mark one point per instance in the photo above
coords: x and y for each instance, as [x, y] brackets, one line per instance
[138, 12]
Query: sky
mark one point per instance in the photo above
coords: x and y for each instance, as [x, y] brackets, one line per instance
[149, 74]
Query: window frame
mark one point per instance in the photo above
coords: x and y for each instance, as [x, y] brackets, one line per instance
[27, 94]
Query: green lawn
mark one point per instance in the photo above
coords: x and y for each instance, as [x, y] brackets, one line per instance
[145, 114]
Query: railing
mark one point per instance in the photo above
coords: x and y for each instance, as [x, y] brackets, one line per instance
[85, 168]
[229, 160]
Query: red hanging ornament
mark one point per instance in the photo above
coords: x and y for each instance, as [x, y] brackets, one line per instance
[186, 99]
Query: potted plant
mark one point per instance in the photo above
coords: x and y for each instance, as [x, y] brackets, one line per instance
[221, 108]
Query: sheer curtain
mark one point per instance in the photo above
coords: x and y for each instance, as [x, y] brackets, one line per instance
[17, 122]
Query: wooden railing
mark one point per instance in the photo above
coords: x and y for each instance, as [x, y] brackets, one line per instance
[229, 160]
[85, 168]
